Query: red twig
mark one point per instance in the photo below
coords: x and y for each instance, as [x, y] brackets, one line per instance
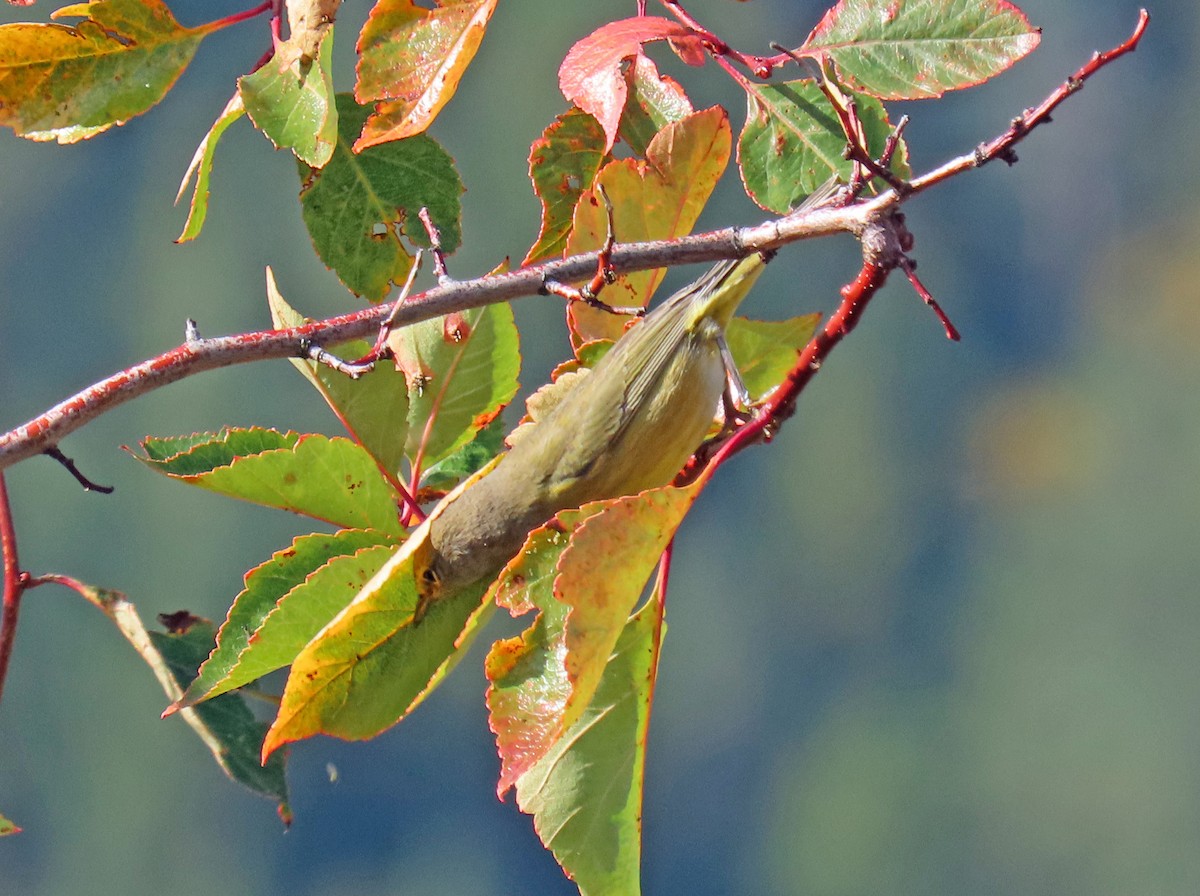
[238, 17]
[782, 402]
[14, 584]
[435, 245]
[589, 293]
[910, 271]
[760, 66]
[1002, 146]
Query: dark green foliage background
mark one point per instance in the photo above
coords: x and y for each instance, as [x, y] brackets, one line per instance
[939, 638]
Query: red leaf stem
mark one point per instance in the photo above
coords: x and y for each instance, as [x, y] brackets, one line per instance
[14, 584]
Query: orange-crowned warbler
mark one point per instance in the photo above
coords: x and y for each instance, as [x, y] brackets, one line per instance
[629, 424]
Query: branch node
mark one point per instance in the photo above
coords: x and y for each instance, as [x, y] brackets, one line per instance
[352, 369]
[435, 243]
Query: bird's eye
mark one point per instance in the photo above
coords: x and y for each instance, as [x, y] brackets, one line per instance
[429, 576]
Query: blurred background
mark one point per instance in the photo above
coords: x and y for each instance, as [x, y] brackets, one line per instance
[939, 637]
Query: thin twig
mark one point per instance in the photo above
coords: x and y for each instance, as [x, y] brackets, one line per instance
[759, 66]
[1001, 147]
[89, 486]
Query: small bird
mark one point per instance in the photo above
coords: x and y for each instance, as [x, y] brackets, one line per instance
[629, 424]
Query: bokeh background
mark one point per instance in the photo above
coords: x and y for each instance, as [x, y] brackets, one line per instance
[940, 637]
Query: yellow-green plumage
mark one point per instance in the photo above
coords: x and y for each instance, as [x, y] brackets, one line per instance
[628, 425]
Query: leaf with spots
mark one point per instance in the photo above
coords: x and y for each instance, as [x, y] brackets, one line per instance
[370, 666]
[69, 83]
[334, 480]
[585, 794]
[793, 142]
[563, 163]
[584, 574]
[411, 59]
[462, 371]
[359, 206]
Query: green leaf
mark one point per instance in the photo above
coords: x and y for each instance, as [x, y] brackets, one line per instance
[921, 48]
[285, 603]
[334, 480]
[290, 100]
[358, 207]
[413, 57]
[563, 162]
[7, 827]
[201, 169]
[652, 103]
[793, 142]
[468, 459]
[765, 351]
[70, 83]
[373, 407]
[226, 725]
[371, 666]
[205, 451]
[462, 371]
[585, 795]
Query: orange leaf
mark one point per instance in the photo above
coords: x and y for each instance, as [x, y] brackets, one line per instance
[412, 58]
[70, 83]
[654, 199]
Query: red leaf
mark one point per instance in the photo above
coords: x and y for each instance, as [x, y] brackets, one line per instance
[591, 76]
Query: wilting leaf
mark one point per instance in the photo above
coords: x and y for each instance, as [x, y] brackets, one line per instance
[226, 725]
[201, 169]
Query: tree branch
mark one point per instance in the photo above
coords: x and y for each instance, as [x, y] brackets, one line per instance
[196, 355]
